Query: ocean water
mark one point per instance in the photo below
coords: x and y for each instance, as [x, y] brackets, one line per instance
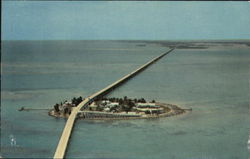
[213, 81]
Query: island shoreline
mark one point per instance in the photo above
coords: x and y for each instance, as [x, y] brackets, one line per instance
[174, 111]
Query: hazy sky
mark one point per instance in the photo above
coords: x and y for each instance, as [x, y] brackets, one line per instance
[146, 20]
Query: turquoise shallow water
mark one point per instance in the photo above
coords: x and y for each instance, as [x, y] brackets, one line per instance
[214, 82]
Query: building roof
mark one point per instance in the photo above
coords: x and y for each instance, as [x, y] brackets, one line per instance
[112, 104]
[149, 109]
[144, 105]
[105, 101]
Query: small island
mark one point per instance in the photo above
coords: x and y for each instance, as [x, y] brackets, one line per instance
[117, 108]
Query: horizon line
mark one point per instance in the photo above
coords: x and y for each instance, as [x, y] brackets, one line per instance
[124, 39]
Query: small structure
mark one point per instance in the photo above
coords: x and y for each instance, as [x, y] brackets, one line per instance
[111, 105]
[106, 115]
[93, 106]
[105, 102]
[147, 105]
[107, 109]
[149, 108]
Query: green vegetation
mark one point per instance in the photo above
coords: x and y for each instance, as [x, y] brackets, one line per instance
[65, 107]
[106, 104]
[124, 100]
[56, 107]
[76, 101]
[124, 104]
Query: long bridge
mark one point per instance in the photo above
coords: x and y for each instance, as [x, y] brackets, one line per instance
[64, 139]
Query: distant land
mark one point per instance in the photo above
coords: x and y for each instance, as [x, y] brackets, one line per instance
[178, 44]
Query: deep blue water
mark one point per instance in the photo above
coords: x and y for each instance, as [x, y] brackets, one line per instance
[213, 81]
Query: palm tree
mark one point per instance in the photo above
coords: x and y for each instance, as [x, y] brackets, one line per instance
[143, 100]
[73, 101]
[125, 98]
[135, 100]
[56, 107]
[65, 110]
[120, 101]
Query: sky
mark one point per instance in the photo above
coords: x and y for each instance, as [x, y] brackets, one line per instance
[127, 20]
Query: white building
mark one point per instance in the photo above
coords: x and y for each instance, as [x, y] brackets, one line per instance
[93, 106]
[113, 104]
[104, 102]
[147, 105]
[106, 109]
[151, 110]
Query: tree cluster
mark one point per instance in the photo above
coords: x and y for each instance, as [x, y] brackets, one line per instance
[125, 103]
[56, 107]
[76, 101]
[124, 100]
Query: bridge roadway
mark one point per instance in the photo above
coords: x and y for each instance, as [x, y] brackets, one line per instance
[64, 139]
